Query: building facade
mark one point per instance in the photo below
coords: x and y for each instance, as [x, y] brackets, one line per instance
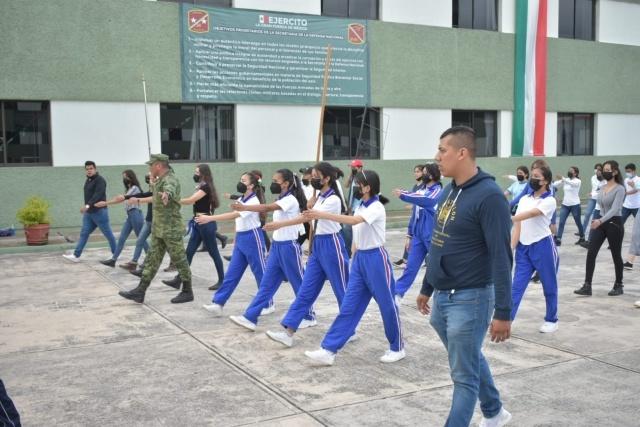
[71, 90]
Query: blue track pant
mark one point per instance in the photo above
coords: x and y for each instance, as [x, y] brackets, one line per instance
[370, 276]
[328, 260]
[541, 256]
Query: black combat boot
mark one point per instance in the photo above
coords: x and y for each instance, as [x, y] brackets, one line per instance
[185, 295]
[617, 289]
[174, 283]
[584, 290]
[136, 294]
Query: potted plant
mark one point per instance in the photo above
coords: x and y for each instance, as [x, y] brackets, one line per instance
[34, 216]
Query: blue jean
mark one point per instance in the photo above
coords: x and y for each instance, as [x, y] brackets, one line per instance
[134, 222]
[564, 214]
[461, 319]
[91, 221]
[142, 241]
[206, 233]
[626, 212]
[586, 222]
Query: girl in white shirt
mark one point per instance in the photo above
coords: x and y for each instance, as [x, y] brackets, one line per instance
[285, 255]
[535, 248]
[570, 202]
[249, 248]
[370, 275]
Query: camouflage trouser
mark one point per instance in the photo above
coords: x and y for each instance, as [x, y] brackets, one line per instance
[175, 248]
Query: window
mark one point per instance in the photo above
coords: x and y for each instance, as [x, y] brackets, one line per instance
[25, 133]
[361, 9]
[486, 126]
[350, 133]
[212, 3]
[575, 134]
[576, 19]
[476, 14]
[197, 132]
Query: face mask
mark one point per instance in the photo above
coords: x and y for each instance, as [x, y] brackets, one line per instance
[125, 181]
[147, 180]
[535, 184]
[520, 178]
[275, 188]
[357, 193]
[354, 171]
[599, 175]
[316, 183]
[570, 174]
[608, 176]
[305, 182]
[426, 178]
[628, 175]
[420, 178]
[241, 187]
[196, 178]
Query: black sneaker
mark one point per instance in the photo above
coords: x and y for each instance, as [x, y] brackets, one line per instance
[399, 262]
[182, 297]
[576, 234]
[227, 257]
[617, 290]
[579, 242]
[535, 278]
[557, 241]
[215, 286]
[223, 241]
[584, 244]
[108, 262]
[627, 266]
[584, 290]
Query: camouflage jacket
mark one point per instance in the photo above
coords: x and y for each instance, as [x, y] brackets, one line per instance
[167, 220]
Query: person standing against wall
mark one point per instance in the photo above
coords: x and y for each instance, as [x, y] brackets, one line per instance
[95, 190]
[166, 232]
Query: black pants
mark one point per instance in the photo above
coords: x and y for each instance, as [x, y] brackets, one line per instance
[613, 231]
[305, 236]
[8, 413]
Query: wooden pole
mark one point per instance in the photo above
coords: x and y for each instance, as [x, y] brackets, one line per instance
[323, 103]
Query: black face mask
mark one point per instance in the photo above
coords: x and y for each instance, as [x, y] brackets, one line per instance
[126, 182]
[520, 178]
[196, 178]
[147, 179]
[305, 182]
[241, 187]
[357, 193]
[316, 183]
[426, 179]
[599, 176]
[420, 178]
[535, 184]
[354, 171]
[570, 174]
[608, 176]
[275, 188]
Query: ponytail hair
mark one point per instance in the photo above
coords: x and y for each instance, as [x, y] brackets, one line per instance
[371, 179]
[295, 186]
[326, 169]
[206, 176]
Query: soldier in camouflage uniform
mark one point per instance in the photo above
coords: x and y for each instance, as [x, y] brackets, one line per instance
[166, 232]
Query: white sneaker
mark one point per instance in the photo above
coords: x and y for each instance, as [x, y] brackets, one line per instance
[268, 310]
[637, 303]
[398, 300]
[282, 337]
[353, 338]
[244, 322]
[71, 257]
[548, 327]
[391, 356]
[321, 356]
[214, 308]
[498, 421]
[308, 323]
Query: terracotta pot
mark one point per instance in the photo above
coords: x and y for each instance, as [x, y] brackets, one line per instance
[37, 235]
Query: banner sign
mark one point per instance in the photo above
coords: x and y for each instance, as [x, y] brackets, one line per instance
[244, 56]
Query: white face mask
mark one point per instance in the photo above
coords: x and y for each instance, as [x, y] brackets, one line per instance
[629, 175]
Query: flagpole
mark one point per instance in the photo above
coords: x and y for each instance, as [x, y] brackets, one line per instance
[146, 114]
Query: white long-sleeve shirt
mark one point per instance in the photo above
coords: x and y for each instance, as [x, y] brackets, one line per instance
[571, 187]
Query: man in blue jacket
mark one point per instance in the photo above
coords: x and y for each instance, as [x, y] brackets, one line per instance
[469, 267]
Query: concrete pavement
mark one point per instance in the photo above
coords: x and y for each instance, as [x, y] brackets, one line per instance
[72, 352]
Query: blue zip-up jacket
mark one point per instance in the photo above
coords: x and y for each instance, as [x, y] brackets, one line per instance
[425, 199]
[471, 242]
[412, 218]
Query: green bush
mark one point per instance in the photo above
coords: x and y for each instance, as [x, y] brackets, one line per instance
[35, 211]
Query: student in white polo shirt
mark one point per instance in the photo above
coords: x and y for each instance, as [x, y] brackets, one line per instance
[632, 198]
[370, 275]
[570, 202]
[534, 246]
[285, 256]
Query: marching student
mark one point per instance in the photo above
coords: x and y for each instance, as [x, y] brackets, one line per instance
[370, 275]
[328, 258]
[205, 201]
[425, 201]
[144, 234]
[418, 175]
[593, 210]
[570, 202]
[609, 226]
[535, 248]
[285, 257]
[519, 182]
[249, 249]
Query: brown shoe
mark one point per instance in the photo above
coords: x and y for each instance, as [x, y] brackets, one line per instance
[129, 266]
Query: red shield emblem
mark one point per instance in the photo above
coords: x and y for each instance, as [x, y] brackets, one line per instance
[198, 21]
[356, 33]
